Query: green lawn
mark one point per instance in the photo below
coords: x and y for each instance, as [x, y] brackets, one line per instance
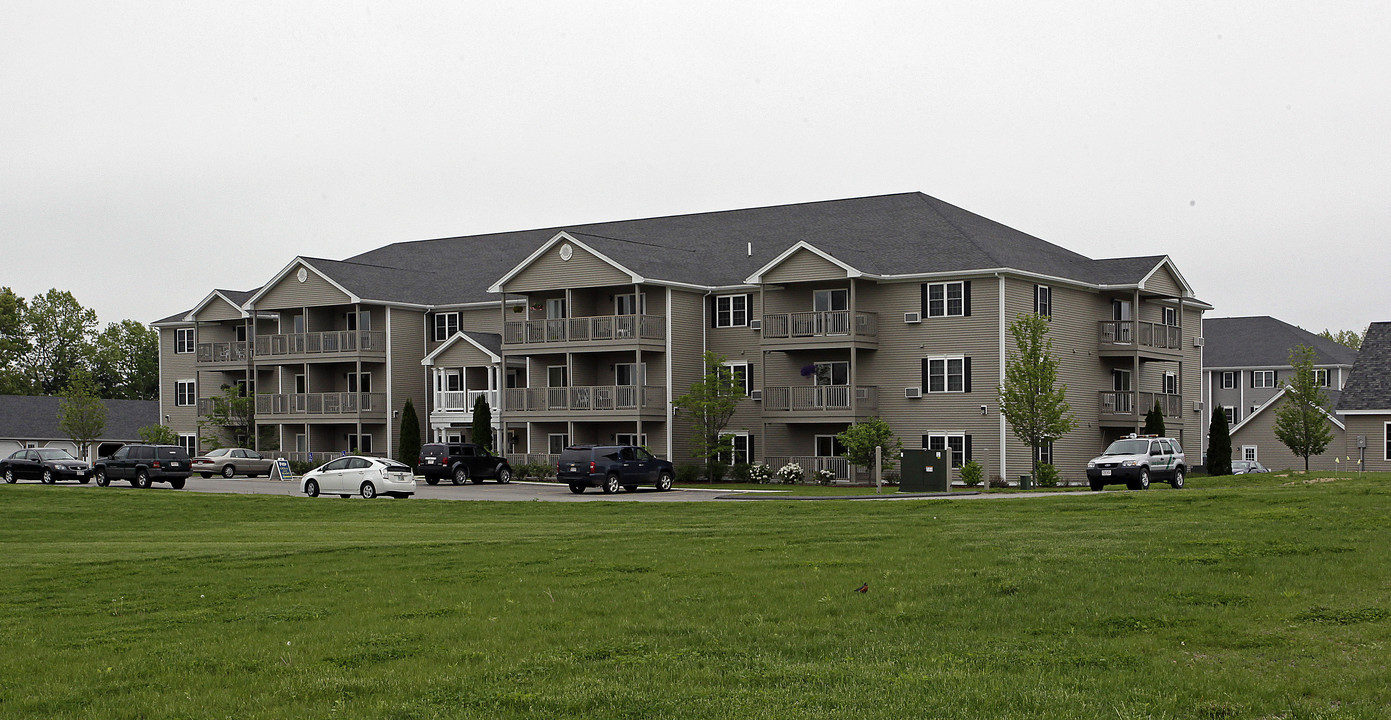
[1234, 598]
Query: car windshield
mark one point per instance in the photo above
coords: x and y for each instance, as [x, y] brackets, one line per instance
[1128, 447]
[54, 454]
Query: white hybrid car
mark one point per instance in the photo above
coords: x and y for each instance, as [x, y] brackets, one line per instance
[360, 475]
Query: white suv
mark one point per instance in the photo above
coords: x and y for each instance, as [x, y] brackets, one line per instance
[1135, 459]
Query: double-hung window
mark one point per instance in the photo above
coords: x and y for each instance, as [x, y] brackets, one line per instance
[946, 299]
[1170, 384]
[739, 449]
[741, 372]
[189, 442]
[1043, 301]
[1321, 378]
[183, 340]
[1171, 316]
[446, 324]
[185, 393]
[1262, 378]
[630, 304]
[956, 443]
[947, 374]
[731, 311]
[1228, 380]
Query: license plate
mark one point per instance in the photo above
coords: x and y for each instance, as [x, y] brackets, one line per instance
[172, 464]
[1105, 473]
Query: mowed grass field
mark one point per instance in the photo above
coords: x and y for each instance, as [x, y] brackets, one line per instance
[1234, 598]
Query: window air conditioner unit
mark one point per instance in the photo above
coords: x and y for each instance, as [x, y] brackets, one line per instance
[755, 395]
[1197, 405]
[913, 392]
[1199, 341]
[755, 324]
[912, 317]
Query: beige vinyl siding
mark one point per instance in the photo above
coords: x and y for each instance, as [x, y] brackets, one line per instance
[1260, 431]
[1163, 281]
[408, 376]
[1373, 427]
[688, 327]
[173, 368]
[741, 345]
[583, 269]
[481, 319]
[1195, 422]
[803, 266]
[291, 293]
[461, 353]
[209, 332]
[218, 309]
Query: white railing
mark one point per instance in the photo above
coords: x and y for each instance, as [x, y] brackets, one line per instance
[463, 400]
[1131, 403]
[314, 343]
[223, 352]
[1153, 335]
[586, 398]
[820, 398]
[335, 403]
[810, 465]
[585, 329]
[820, 324]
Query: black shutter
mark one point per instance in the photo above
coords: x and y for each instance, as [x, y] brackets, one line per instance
[966, 299]
[752, 455]
[1035, 299]
[968, 450]
[710, 309]
[1253, 378]
[923, 310]
[748, 307]
[966, 373]
[924, 442]
[925, 384]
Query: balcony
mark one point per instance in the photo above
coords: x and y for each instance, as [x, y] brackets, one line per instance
[224, 352]
[610, 329]
[462, 400]
[1122, 337]
[1127, 406]
[321, 405]
[816, 401]
[590, 399]
[819, 329]
[334, 342]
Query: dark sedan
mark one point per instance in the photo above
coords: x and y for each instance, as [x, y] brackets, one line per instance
[47, 465]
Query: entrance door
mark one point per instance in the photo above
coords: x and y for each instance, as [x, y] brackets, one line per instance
[830, 307]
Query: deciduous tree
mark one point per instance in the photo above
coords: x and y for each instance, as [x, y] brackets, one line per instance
[125, 361]
[81, 414]
[860, 439]
[709, 405]
[1301, 421]
[14, 344]
[1031, 399]
[1349, 338]
[158, 435]
[228, 414]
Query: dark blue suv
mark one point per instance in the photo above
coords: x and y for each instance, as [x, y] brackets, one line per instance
[611, 467]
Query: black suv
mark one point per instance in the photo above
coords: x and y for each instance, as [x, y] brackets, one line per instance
[612, 466]
[460, 462]
[145, 464]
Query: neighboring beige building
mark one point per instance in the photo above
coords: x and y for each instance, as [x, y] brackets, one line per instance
[895, 306]
[1366, 401]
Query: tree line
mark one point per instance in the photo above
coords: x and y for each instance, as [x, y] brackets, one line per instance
[49, 341]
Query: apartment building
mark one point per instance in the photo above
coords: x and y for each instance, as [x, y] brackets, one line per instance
[1246, 364]
[1366, 402]
[894, 306]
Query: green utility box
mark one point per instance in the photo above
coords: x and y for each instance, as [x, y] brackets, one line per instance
[1026, 482]
[925, 471]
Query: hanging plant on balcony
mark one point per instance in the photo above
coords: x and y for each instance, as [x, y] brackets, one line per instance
[809, 370]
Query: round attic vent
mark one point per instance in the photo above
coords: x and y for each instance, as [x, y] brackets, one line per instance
[566, 252]
[302, 275]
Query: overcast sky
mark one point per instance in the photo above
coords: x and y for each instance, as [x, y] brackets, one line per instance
[150, 151]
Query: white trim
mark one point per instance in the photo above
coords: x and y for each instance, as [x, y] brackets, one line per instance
[757, 276]
[1386, 440]
[434, 321]
[561, 236]
[1000, 360]
[204, 302]
[927, 311]
[946, 375]
[1183, 283]
[178, 390]
[1365, 412]
[1271, 402]
[670, 410]
[1273, 378]
[192, 344]
[390, 406]
[285, 272]
[748, 372]
[1254, 453]
[1222, 379]
[748, 311]
[429, 360]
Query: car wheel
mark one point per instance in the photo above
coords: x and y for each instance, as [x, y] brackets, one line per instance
[9, 476]
[100, 475]
[460, 475]
[610, 484]
[228, 471]
[1144, 482]
[1177, 482]
[47, 476]
[1097, 485]
[664, 481]
[369, 491]
[431, 480]
[504, 475]
[177, 484]
[206, 475]
[311, 488]
[577, 489]
[142, 479]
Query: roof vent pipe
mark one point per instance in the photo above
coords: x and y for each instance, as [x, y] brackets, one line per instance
[750, 249]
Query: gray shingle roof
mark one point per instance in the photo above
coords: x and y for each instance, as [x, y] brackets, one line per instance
[899, 234]
[35, 417]
[492, 342]
[1264, 342]
[1369, 385]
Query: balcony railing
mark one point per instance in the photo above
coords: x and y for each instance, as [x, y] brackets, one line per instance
[1148, 334]
[546, 459]
[320, 343]
[334, 403]
[820, 324]
[585, 329]
[221, 352]
[810, 465]
[820, 398]
[1135, 404]
[463, 400]
[589, 398]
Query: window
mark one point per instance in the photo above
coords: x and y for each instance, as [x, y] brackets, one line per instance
[1043, 300]
[361, 320]
[366, 382]
[1228, 380]
[1171, 316]
[1321, 378]
[1230, 412]
[1248, 453]
[830, 300]
[1254, 408]
[241, 333]
[630, 439]
[185, 393]
[947, 299]
[829, 446]
[1170, 384]
[630, 304]
[1386, 434]
[557, 376]
[298, 322]
[1262, 378]
[555, 309]
[836, 372]
[301, 442]
[958, 444]
[189, 442]
[731, 311]
[629, 374]
[1045, 453]
[359, 443]
[740, 454]
[557, 442]
[183, 340]
[947, 374]
[742, 372]
[446, 324]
